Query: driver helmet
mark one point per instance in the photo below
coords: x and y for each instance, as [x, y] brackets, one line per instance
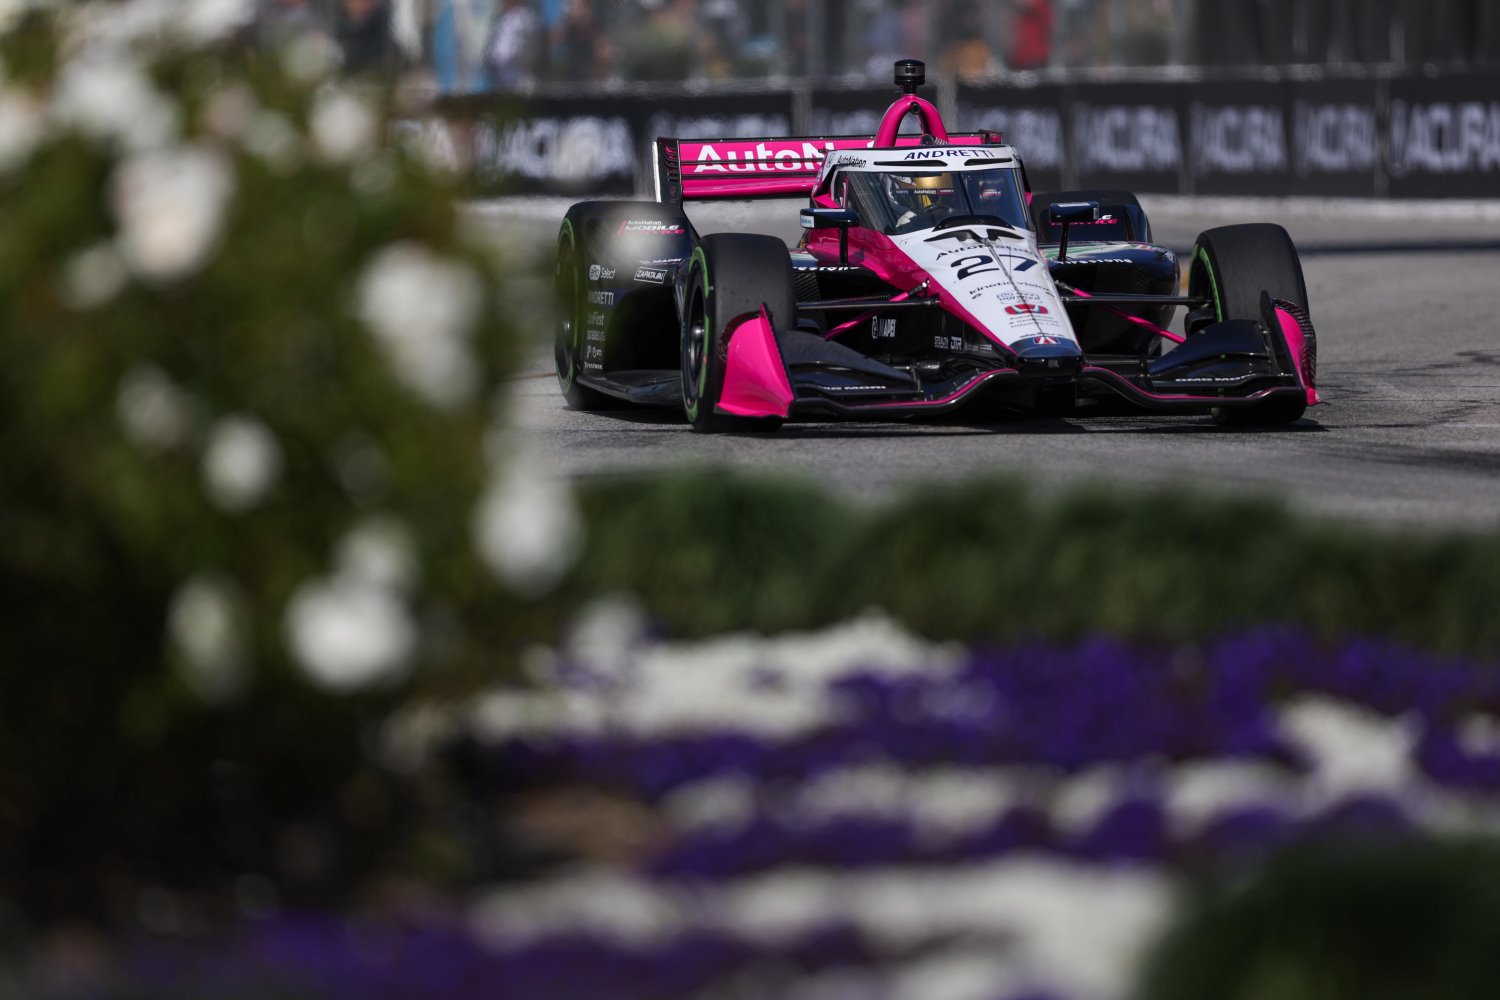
[915, 192]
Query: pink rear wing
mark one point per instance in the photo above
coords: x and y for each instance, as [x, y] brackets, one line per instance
[787, 166]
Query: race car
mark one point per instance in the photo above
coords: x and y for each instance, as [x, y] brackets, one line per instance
[929, 279]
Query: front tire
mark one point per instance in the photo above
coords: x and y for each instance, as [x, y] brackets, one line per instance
[732, 274]
[1232, 266]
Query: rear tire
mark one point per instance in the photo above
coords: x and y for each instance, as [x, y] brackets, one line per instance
[568, 306]
[1232, 266]
[732, 274]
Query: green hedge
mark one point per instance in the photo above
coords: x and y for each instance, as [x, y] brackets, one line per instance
[1374, 921]
[709, 550]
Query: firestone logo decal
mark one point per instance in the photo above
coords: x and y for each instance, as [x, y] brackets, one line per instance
[653, 227]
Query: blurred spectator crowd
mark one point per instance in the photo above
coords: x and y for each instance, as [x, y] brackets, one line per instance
[476, 45]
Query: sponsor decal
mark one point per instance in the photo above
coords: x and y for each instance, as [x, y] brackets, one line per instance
[665, 260]
[883, 328]
[651, 275]
[594, 336]
[1026, 308]
[654, 227]
[1334, 138]
[596, 321]
[1444, 138]
[1127, 138]
[1203, 378]
[601, 298]
[826, 267]
[599, 273]
[976, 293]
[1247, 139]
[1043, 341]
[593, 353]
[1084, 258]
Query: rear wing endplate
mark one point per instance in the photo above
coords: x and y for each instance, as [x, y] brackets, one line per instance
[773, 167]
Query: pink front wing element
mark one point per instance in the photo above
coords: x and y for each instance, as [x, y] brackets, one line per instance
[755, 380]
[1296, 342]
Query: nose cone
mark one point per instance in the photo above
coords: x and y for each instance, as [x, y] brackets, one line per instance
[1047, 356]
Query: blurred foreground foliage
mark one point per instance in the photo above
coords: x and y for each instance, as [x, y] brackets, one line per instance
[196, 417]
[1382, 920]
[988, 559]
[199, 435]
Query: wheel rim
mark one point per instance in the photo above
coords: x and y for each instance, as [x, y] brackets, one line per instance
[565, 306]
[694, 345]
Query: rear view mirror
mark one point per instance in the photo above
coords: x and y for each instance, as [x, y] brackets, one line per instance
[1065, 214]
[829, 218]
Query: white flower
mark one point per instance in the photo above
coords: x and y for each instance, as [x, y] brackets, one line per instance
[205, 21]
[91, 277]
[111, 99]
[380, 552]
[23, 125]
[241, 463]
[206, 627]
[527, 527]
[1353, 750]
[348, 634]
[344, 126]
[11, 12]
[230, 110]
[153, 411]
[422, 308]
[171, 210]
[273, 139]
[310, 57]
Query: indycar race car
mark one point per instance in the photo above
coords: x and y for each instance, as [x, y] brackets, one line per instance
[929, 279]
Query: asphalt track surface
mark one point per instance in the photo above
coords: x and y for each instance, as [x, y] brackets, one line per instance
[1405, 299]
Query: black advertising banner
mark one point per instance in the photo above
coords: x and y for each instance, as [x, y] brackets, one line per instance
[1129, 135]
[855, 111]
[1239, 139]
[1031, 119]
[1443, 136]
[595, 145]
[1336, 135]
[1408, 137]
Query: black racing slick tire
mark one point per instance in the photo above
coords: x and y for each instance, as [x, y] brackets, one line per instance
[568, 308]
[731, 274]
[1232, 266]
